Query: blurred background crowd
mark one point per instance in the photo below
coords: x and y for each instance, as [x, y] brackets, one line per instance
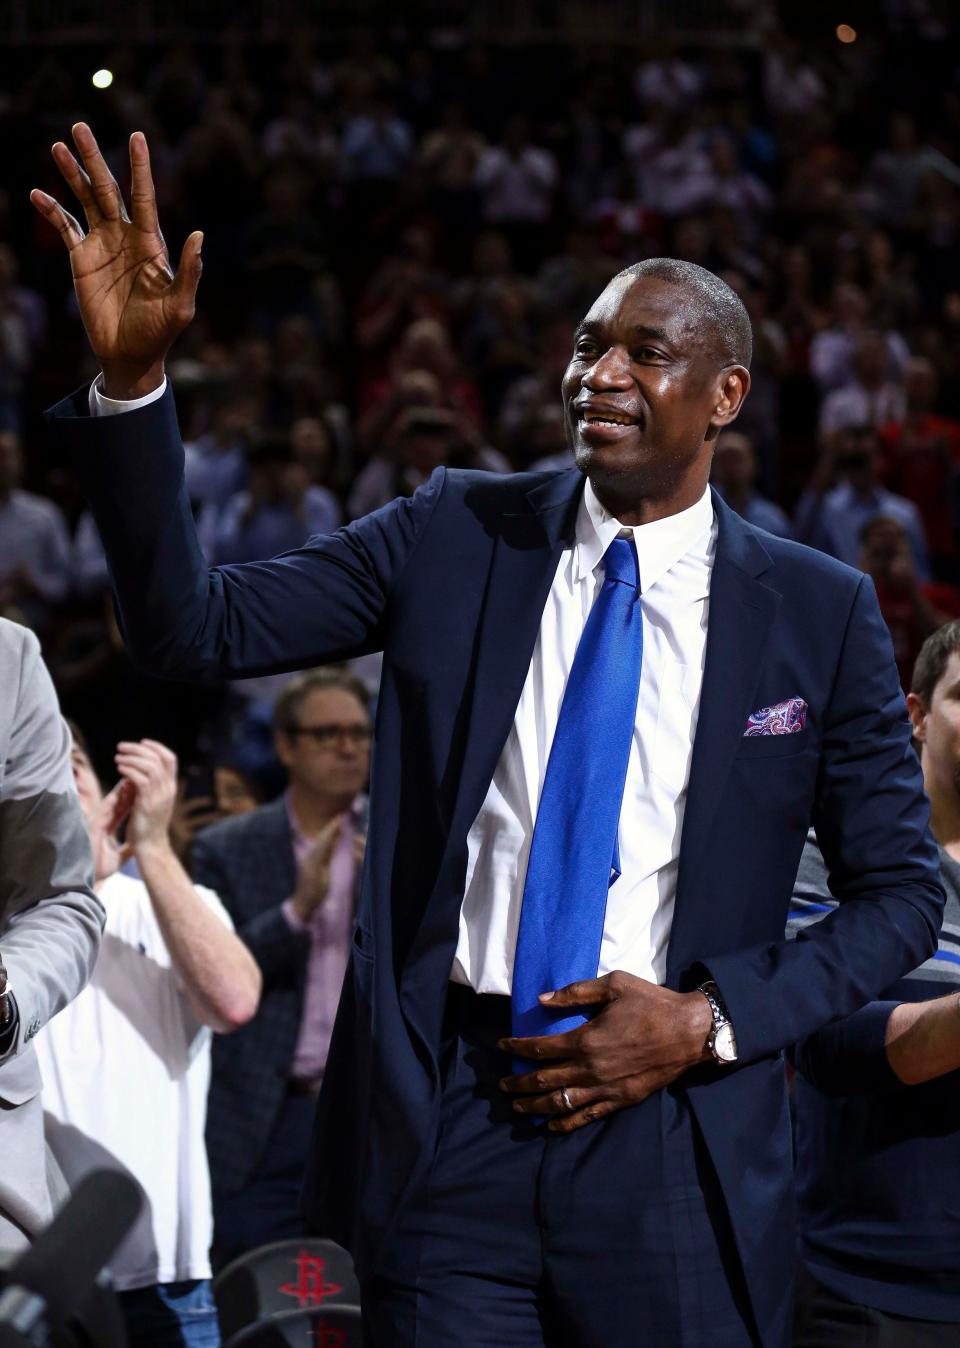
[403, 224]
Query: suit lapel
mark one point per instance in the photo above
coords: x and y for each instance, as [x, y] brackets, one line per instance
[742, 610]
[524, 560]
[525, 557]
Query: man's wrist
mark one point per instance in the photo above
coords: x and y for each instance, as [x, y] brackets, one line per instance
[125, 384]
[153, 851]
[698, 1019]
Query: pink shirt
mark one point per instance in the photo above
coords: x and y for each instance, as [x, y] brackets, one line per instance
[331, 931]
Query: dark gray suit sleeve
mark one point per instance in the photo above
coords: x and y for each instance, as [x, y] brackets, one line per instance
[278, 949]
[52, 920]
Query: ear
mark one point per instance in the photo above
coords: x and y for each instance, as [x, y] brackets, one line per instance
[918, 718]
[732, 388]
[284, 748]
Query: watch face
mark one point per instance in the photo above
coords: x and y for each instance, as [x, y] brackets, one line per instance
[725, 1044]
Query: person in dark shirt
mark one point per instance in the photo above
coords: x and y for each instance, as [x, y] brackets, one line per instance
[734, 476]
[877, 1098]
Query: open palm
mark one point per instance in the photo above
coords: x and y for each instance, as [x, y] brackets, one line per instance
[132, 305]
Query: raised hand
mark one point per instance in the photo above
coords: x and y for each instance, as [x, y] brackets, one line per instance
[132, 305]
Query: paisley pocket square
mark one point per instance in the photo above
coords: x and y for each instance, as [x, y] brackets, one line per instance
[783, 718]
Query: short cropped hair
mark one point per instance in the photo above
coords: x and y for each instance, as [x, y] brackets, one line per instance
[286, 709]
[717, 305]
[931, 663]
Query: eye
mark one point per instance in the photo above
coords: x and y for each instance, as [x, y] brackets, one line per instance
[647, 353]
[585, 348]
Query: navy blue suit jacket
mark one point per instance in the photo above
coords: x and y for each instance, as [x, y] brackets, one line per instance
[451, 584]
[249, 862]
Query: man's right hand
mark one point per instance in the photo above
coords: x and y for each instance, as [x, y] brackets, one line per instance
[132, 305]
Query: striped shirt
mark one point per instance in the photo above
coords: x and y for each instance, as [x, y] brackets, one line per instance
[878, 1163]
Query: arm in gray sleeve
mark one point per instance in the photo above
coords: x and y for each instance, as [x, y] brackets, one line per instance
[50, 919]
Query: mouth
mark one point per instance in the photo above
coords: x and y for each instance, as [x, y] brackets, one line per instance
[599, 424]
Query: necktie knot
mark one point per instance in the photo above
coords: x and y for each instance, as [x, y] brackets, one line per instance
[620, 563]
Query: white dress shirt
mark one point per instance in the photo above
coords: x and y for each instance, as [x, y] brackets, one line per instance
[676, 559]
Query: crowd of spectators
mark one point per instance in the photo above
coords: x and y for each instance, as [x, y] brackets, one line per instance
[399, 239]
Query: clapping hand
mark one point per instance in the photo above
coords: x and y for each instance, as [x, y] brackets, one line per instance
[132, 304]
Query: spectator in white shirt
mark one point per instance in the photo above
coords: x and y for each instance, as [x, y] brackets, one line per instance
[126, 1066]
[667, 81]
[278, 511]
[34, 543]
[215, 467]
[516, 178]
[870, 399]
[832, 350]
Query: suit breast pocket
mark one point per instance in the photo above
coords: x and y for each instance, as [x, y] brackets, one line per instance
[756, 747]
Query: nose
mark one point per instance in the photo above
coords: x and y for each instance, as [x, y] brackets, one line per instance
[609, 371]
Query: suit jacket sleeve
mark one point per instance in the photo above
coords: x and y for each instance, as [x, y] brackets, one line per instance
[872, 821]
[323, 602]
[279, 950]
[850, 1054]
[52, 920]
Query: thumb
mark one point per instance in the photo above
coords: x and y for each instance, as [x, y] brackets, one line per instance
[184, 288]
[589, 992]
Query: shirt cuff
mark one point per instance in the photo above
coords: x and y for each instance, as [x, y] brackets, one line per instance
[293, 922]
[8, 1035]
[102, 406]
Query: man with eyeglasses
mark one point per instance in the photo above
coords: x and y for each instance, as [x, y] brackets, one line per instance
[287, 874]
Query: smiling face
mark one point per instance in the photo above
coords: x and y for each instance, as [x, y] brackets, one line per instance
[644, 396]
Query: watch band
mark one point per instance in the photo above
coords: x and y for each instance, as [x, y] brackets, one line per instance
[720, 1015]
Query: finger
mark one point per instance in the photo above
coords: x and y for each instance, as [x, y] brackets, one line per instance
[132, 773]
[569, 1123]
[559, 1103]
[199, 821]
[103, 185]
[165, 752]
[154, 757]
[62, 221]
[183, 292]
[198, 805]
[78, 182]
[143, 196]
[145, 759]
[543, 1046]
[587, 992]
[547, 1079]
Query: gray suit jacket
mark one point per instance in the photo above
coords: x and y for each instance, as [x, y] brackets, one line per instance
[50, 919]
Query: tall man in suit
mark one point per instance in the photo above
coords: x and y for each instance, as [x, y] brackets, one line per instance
[595, 761]
[50, 920]
[286, 873]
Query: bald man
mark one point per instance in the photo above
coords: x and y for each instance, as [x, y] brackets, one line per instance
[554, 1110]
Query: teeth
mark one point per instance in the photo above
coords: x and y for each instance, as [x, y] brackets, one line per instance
[594, 420]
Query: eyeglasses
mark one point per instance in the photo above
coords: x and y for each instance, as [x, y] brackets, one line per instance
[325, 736]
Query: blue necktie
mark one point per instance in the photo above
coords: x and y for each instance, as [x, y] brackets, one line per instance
[574, 856]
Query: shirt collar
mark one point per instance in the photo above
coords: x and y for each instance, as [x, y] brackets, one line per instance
[659, 544]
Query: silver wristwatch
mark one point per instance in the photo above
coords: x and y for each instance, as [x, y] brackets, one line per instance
[722, 1043]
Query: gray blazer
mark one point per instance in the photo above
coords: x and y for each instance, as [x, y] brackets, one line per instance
[50, 919]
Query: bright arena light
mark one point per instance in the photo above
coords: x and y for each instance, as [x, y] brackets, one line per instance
[845, 33]
[102, 79]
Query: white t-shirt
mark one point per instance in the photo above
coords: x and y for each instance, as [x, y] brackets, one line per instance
[126, 1067]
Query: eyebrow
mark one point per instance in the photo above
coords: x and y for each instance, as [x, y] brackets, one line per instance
[588, 328]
